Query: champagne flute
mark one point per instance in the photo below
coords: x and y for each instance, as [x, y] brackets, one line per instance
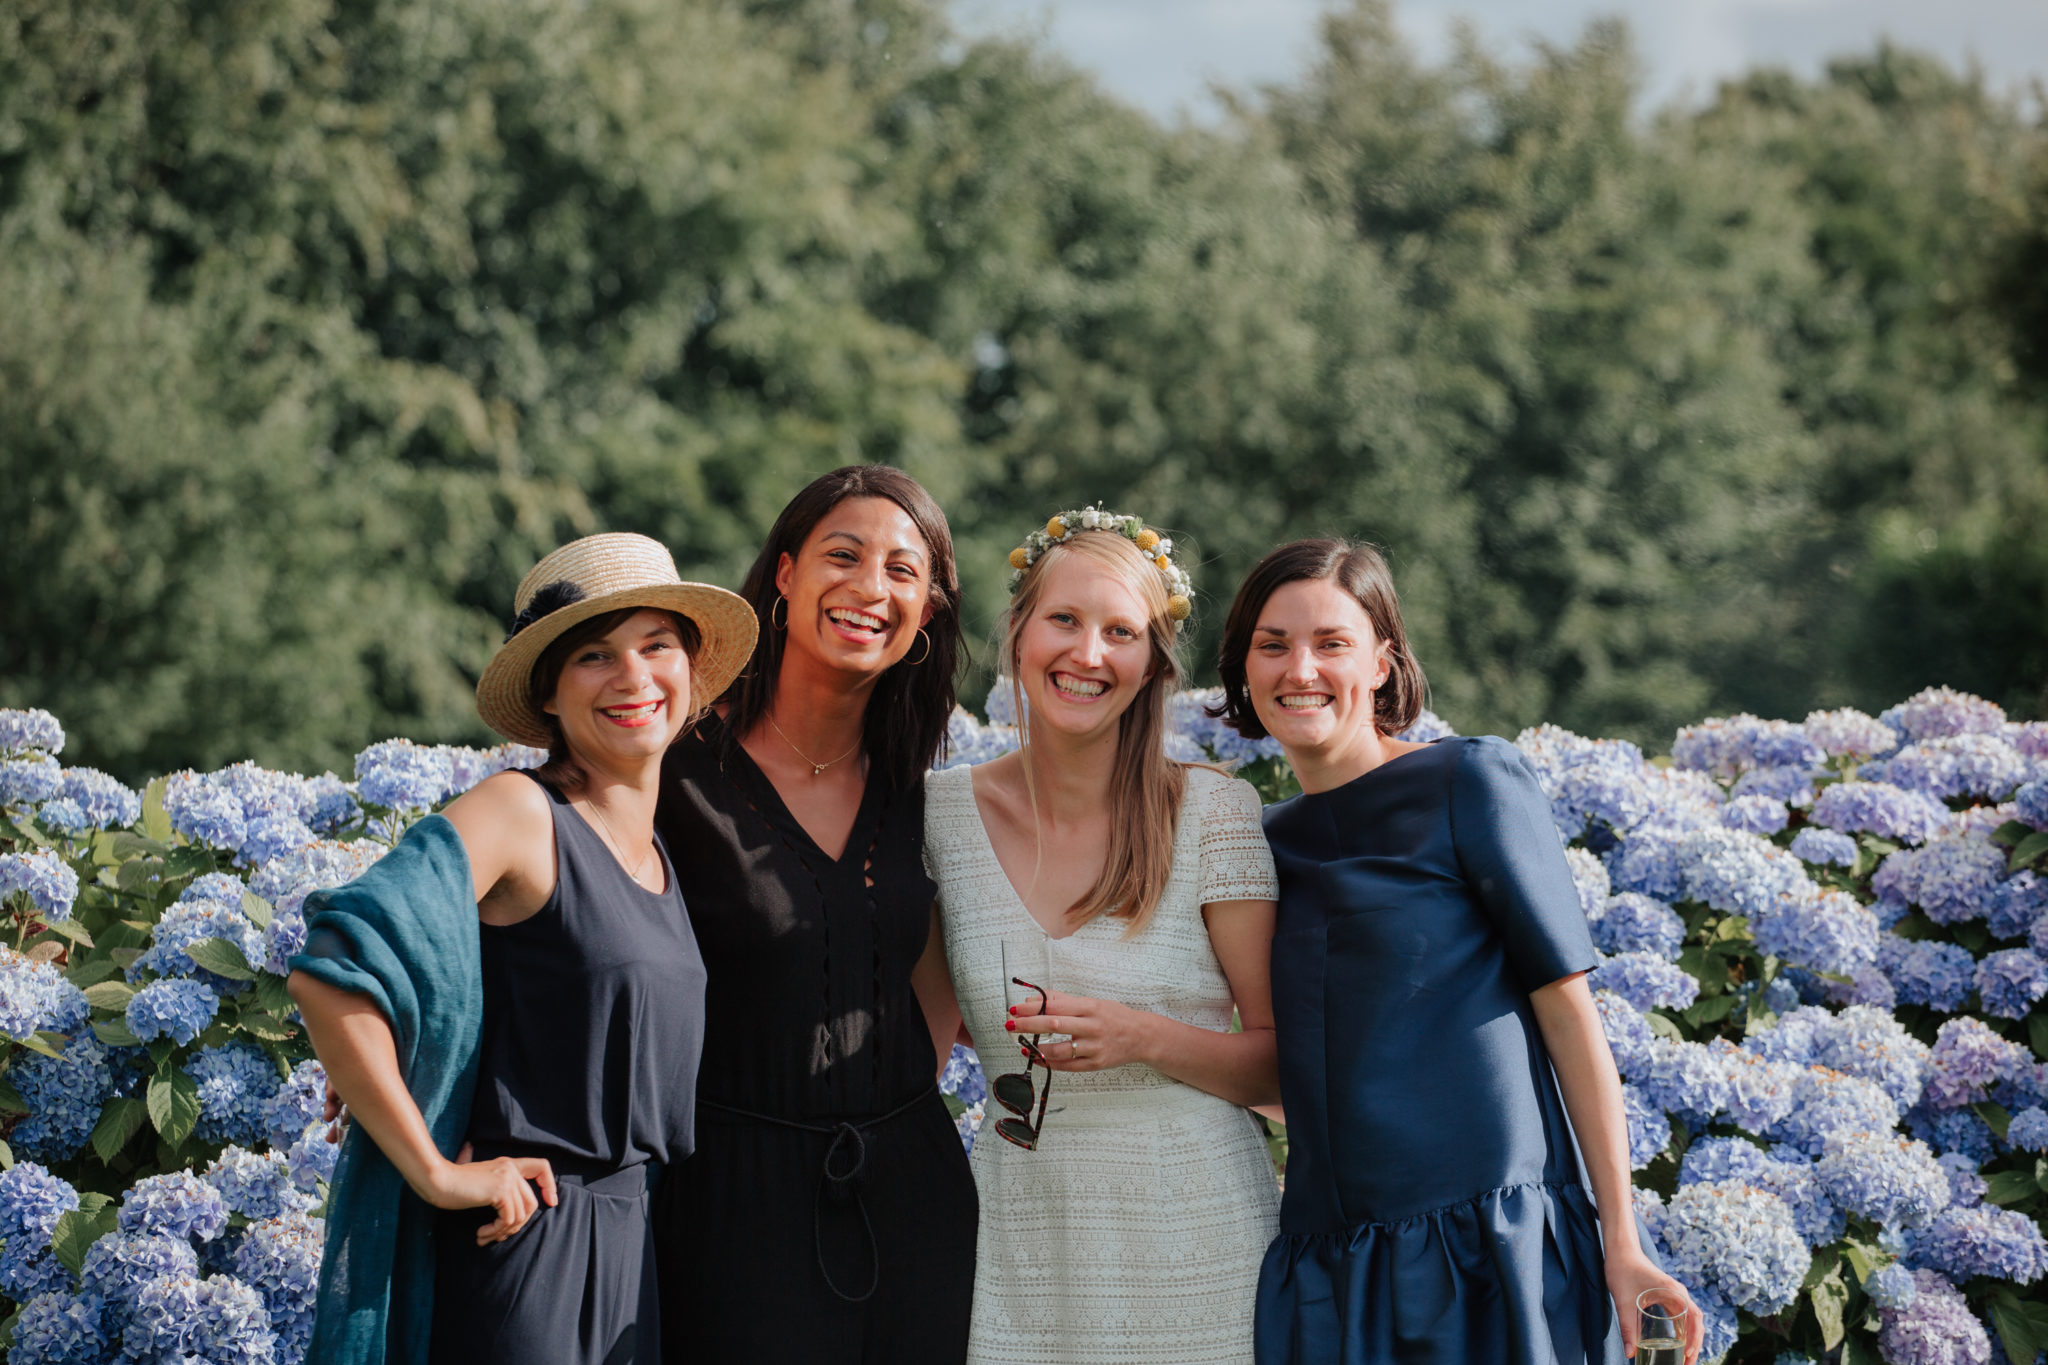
[1660, 1331]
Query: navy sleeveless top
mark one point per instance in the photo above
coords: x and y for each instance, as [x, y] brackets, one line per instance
[593, 1016]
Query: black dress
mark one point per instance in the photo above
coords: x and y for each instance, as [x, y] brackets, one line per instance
[593, 1014]
[828, 1214]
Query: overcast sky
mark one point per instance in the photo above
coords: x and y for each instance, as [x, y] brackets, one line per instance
[1163, 54]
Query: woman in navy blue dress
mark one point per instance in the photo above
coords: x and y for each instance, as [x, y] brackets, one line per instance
[1434, 1025]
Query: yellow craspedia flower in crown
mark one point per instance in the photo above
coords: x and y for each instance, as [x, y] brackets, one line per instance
[1180, 602]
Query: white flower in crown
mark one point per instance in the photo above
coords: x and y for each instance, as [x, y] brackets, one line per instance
[1159, 549]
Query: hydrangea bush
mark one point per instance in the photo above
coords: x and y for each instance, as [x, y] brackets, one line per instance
[165, 1166]
[1824, 979]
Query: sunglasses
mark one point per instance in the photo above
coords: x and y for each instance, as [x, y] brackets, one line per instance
[1015, 1092]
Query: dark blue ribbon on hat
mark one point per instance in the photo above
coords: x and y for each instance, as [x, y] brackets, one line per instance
[551, 598]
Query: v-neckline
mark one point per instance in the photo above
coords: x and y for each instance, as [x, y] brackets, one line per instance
[988, 845]
[759, 777]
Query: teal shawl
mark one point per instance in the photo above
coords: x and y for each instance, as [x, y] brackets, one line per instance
[404, 934]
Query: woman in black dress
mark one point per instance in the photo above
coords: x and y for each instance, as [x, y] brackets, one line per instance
[828, 1214]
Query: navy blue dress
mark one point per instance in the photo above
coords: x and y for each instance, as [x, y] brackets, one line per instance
[1435, 1211]
[593, 1021]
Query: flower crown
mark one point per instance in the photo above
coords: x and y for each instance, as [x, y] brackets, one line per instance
[1179, 591]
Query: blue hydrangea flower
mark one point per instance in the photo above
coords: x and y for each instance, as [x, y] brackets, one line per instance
[29, 781]
[1687, 1079]
[219, 1319]
[285, 937]
[105, 802]
[1628, 1033]
[1891, 1287]
[1780, 996]
[1967, 765]
[2010, 981]
[1925, 972]
[1848, 733]
[2017, 905]
[1935, 1327]
[1758, 1093]
[30, 730]
[1723, 747]
[285, 881]
[1740, 1240]
[400, 775]
[303, 1096]
[1714, 1159]
[962, 1077]
[1882, 809]
[187, 923]
[1868, 1042]
[1552, 751]
[1589, 876]
[1883, 1177]
[1965, 1185]
[46, 879]
[273, 838]
[64, 1095]
[263, 794]
[62, 816]
[1963, 1243]
[36, 996]
[1755, 814]
[120, 1263]
[1939, 712]
[313, 1157]
[176, 1008]
[203, 812]
[1824, 847]
[2030, 804]
[60, 1328]
[257, 1185]
[1649, 1132]
[1646, 861]
[280, 1260]
[1644, 981]
[1786, 786]
[1826, 1101]
[177, 1204]
[1952, 1132]
[1428, 727]
[1952, 879]
[31, 1202]
[236, 1081]
[330, 806]
[1968, 1059]
[1828, 932]
[1738, 873]
[1784, 1173]
[1599, 794]
[1629, 923]
[2028, 1131]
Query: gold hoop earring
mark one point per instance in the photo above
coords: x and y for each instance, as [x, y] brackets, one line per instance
[927, 649]
[783, 603]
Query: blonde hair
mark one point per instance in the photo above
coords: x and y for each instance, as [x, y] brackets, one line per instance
[1145, 786]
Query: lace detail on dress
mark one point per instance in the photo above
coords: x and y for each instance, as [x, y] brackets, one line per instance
[1236, 864]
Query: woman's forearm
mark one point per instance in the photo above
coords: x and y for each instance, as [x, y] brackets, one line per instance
[1243, 1068]
[1570, 1023]
[354, 1043]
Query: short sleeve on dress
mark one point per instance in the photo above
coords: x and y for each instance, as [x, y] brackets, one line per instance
[1236, 863]
[1509, 851]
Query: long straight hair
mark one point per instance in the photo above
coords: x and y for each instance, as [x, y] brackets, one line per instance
[906, 717]
[1145, 786]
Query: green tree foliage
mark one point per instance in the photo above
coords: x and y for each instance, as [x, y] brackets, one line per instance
[324, 318]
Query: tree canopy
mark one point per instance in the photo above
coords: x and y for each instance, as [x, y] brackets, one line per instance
[325, 318]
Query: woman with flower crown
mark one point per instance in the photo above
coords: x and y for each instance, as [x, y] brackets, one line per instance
[1123, 1212]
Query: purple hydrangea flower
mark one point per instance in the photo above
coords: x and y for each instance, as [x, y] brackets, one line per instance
[63, 817]
[1963, 1243]
[1757, 1093]
[1824, 847]
[1925, 972]
[1645, 982]
[36, 996]
[1826, 1101]
[1784, 1173]
[1788, 786]
[31, 730]
[1755, 814]
[1951, 879]
[274, 837]
[1599, 794]
[1883, 1177]
[1965, 1185]
[1828, 932]
[1629, 923]
[1868, 1042]
[301, 1099]
[1966, 765]
[1968, 1059]
[187, 923]
[2031, 804]
[2017, 905]
[1879, 808]
[174, 1008]
[1738, 873]
[1647, 861]
[1956, 1132]
[962, 1077]
[1939, 712]
[1935, 1327]
[313, 1157]
[1891, 1287]
[1848, 733]
[2009, 982]
[2028, 1131]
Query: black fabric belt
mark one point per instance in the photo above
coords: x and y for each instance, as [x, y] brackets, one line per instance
[839, 1182]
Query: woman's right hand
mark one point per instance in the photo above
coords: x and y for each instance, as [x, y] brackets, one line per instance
[504, 1184]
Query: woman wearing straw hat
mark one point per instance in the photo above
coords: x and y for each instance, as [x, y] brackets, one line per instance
[828, 1214]
[511, 1002]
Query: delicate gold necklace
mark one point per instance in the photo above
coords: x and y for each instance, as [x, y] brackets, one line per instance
[817, 768]
[636, 873]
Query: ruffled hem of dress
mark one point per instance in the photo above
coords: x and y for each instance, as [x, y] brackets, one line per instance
[1512, 1276]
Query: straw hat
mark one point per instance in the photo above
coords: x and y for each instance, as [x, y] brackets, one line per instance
[590, 577]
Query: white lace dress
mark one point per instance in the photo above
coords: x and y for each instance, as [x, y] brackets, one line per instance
[1134, 1232]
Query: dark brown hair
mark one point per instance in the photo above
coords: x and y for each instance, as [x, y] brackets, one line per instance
[562, 771]
[907, 712]
[1358, 569]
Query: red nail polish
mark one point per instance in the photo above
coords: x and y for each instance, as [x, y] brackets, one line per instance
[1013, 1009]
[1010, 1024]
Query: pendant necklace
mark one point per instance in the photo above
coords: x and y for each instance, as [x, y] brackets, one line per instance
[817, 768]
[618, 848]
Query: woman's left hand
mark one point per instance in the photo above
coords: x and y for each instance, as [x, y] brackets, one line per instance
[1099, 1034]
[1631, 1274]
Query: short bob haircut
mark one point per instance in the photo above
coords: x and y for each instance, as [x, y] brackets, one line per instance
[1358, 569]
[562, 771]
[908, 710]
